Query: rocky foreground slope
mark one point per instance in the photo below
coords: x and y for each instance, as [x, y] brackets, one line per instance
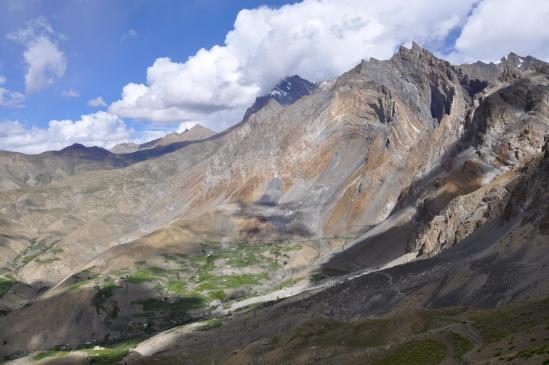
[409, 159]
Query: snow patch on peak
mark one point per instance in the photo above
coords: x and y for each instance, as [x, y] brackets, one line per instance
[325, 85]
[278, 93]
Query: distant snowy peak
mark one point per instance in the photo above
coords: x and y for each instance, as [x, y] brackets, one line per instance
[327, 84]
[290, 89]
[528, 63]
[286, 92]
[494, 71]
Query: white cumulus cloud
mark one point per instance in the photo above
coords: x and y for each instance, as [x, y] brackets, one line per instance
[497, 27]
[98, 129]
[317, 39]
[45, 62]
[97, 102]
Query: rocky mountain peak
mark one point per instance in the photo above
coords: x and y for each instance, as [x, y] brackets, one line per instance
[287, 91]
[291, 88]
[74, 147]
[514, 61]
[197, 128]
[507, 68]
[415, 51]
[80, 151]
[415, 76]
[80, 148]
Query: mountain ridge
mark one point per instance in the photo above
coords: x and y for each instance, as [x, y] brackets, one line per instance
[196, 132]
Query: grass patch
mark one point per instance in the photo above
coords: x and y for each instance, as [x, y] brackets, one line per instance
[5, 285]
[50, 252]
[177, 287]
[79, 284]
[287, 283]
[177, 309]
[84, 278]
[532, 351]
[35, 249]
[425, 352]
[48, 354]
[500, 323]
[49, 260]
[188, 275]
[213, 282]
[326, 333]
[102, 296]
[112, 354]
[145, 275]
[460, 344]
[217, 295]
[244, 254]
[211, 324]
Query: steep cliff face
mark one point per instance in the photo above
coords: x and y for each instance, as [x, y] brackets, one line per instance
[509, 129]
[329, 156]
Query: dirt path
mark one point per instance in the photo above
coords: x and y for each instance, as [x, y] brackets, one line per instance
[473, 336]
[165, 340]
[304, 286]
[299, 288]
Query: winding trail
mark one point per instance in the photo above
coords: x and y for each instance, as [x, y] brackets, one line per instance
[164, 340]
[474, 337]
[392, 286]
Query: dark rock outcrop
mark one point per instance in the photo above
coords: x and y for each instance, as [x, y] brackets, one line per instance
[286, 92]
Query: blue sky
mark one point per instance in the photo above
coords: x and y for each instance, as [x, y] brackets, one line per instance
[164, 65]
[108, 44]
